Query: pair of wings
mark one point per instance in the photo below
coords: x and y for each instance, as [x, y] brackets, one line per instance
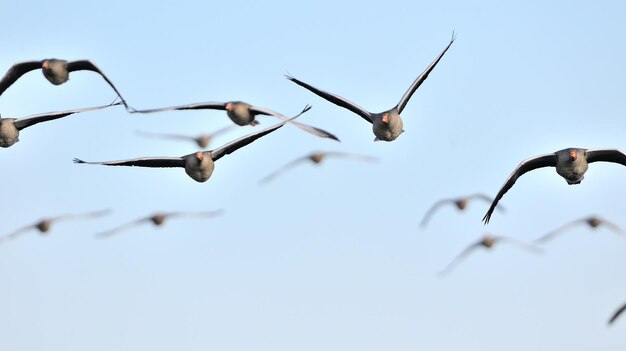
[305, 158]
[478, 244]
[550, 160]
[21, 68]
[368, 116]
[551, 235]
[131, 224]
[212, 105]
[169, 162]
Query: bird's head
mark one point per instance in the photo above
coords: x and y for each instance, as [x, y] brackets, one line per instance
[229, 106]
[385, 118]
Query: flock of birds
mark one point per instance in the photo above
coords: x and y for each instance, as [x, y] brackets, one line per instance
[570, 163]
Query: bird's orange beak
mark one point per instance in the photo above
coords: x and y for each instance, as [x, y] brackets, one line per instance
[386, 118]
[229, 106]
[199, 155]
[572, 155]
[45, 64]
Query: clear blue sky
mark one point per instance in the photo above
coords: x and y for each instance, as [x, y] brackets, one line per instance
[324, 258]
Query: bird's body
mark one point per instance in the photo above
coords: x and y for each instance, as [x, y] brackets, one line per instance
[570, 163]
[386, 125]
[199, 165]
[10, 127]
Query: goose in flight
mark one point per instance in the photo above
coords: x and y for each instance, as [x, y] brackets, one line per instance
[316, 158]
[44, 225]
[199, 165]
[487, 242]
[56, 72]
[202, 140]
[158, 219]
[387, 125]
[242, 114]
[570, 163]
[593, 222]
[459, 202]
[10, 127]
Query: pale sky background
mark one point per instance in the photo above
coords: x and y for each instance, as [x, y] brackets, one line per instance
[323, 258]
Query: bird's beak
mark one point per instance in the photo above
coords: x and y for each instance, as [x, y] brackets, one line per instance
[45, 64]
[386, 118]
[199, 155]
[229, 106]
[572, 155]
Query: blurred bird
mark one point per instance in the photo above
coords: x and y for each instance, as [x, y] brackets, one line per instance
[158, 219]
[199, 165]
[316, 158]
[386, 125]
[459, 202]
[617, 314]
[593, 222]
[10, 127]
[43, 226]
[56, 72]
[571, 164]
[202, 140]
[242, 114]
[487, 242]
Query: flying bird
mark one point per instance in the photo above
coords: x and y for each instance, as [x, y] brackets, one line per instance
[56, 72]
[316, 158]
[387, 125]
[487, 242]
[158, 219]
[242, 114]
[10, 127]
[571, 164]
[199, 165]
[459, 202]
[617, 314]
[44, 225]
[593, 222]
[202, 140]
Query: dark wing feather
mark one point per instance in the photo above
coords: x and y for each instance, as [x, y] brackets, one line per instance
[15, 72]
[335, 99]
[310, 129]
[156, 162]
[530, 164]
[197, 106]
[87, 65]
[247, 139]
[405, 98]
[49, 116]
[486, 198]
[606, 155]
[617, 314]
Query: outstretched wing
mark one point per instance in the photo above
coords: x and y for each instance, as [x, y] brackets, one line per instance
[94, 214]
[122, 227]
[551, 235]
[49, 116]
[155, 162]
[87, 65]
[313, 130]
[520, 244]
[210, 105]
[460, 257]
[335, 99]
[606, 155]
[405, 98]
[15, 72]
[283, 169]
[617, 314]
[528, 165]
[432, 210]
[247, 139]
